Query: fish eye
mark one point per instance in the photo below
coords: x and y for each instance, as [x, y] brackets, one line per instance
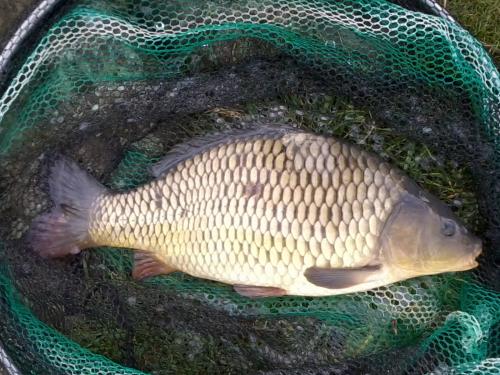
[448, 228]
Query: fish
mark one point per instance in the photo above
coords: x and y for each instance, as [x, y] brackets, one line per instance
[271, 210]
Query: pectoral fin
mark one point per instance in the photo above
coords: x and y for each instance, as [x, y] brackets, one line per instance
[253, 291]
[332, 278]
[147, 265]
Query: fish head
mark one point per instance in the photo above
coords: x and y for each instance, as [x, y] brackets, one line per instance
[423, 237]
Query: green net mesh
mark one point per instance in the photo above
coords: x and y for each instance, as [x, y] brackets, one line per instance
[115, 84]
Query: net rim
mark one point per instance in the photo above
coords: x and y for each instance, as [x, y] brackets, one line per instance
[44, 9]
[32, 23]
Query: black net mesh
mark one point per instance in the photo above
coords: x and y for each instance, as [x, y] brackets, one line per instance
[115, 84]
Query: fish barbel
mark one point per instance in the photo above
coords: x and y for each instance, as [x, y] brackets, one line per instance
[271, 210]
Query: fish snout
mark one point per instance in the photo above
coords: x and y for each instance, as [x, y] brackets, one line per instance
[476, 247]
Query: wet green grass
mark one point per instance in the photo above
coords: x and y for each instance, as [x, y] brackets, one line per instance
[481, 18]
[105, 339]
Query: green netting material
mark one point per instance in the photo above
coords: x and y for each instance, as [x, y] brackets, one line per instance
[325, 34]
[47, 346]
[370, 322]
[424, 75]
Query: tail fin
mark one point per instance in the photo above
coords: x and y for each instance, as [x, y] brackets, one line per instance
[64, 230]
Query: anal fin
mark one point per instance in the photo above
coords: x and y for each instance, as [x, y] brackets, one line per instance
[253, 291]
[341, 278]
[147, 265]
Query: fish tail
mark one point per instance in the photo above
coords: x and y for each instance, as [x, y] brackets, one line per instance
[64, 230]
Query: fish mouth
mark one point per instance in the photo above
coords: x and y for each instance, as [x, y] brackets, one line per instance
[466, 263]
[478, 249]
[471, 261]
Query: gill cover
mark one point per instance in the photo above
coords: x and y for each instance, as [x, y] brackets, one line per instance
[401, 235]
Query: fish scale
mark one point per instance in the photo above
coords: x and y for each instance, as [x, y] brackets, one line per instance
[266, 208]
[270, 210]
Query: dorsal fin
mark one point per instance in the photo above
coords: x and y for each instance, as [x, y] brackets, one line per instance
[197, 145]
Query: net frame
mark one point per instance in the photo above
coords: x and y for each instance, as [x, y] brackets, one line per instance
[42, 11]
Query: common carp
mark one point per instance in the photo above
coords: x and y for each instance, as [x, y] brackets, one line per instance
[272, 210]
